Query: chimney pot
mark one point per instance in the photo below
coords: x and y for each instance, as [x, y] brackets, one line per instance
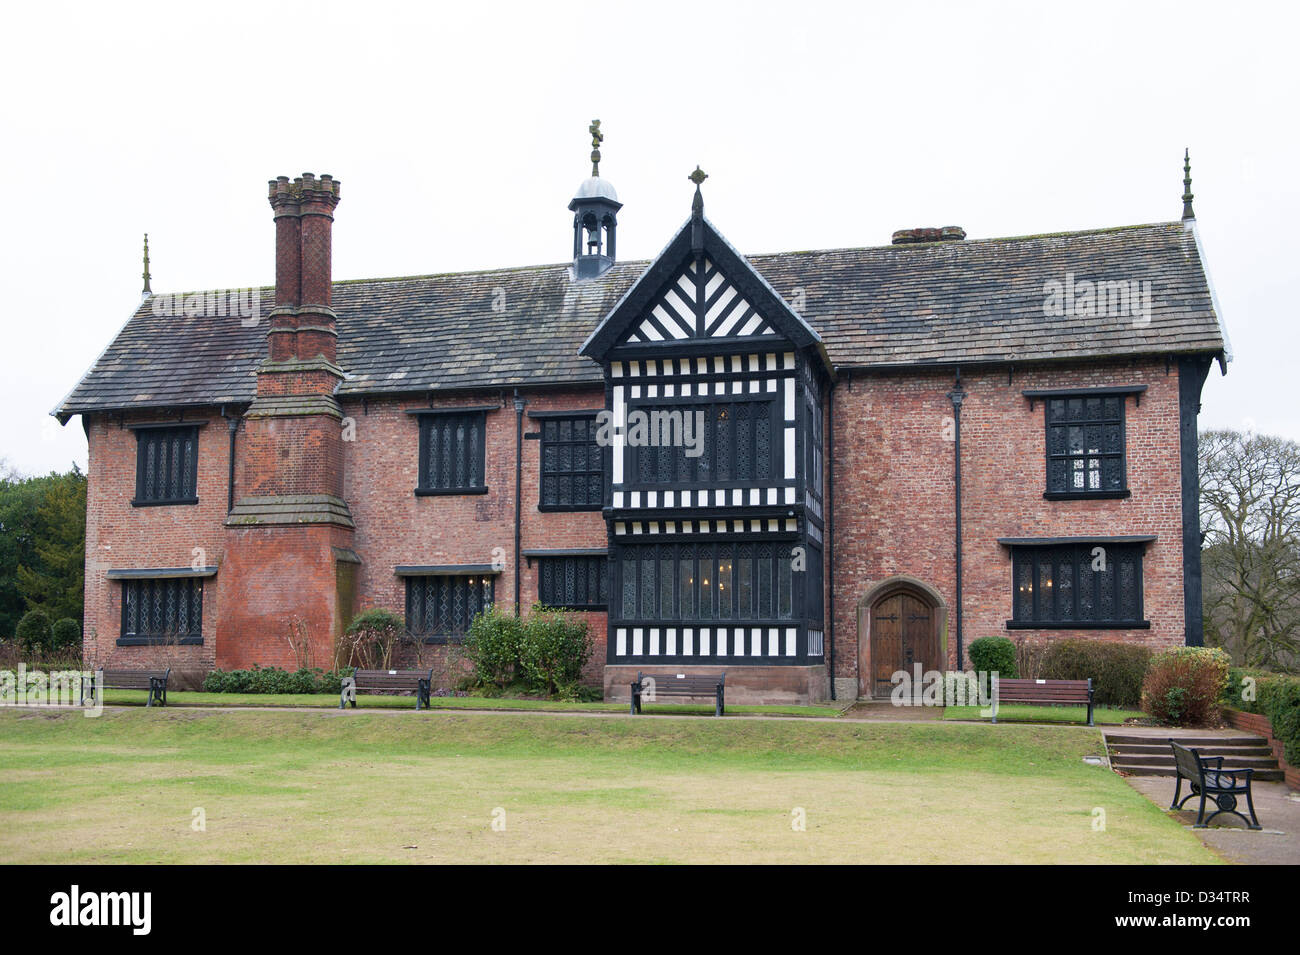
[949, 233]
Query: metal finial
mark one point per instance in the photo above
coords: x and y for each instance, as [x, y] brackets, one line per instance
[1187, 185]
[597, 137]
[697, 204]
[147, 290]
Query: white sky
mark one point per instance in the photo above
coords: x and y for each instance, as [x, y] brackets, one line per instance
[460, 133]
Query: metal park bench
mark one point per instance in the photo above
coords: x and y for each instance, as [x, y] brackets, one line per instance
[1044, 692]
[419, 682]
[680, 684]
[154, 682]
[1222, 785]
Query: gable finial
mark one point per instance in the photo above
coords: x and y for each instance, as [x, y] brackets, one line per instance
[1187, 185]
[698, 177]
[597, 137]
[146, 291]
[697, 211]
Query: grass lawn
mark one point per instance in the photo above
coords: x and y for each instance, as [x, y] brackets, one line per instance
[367, 700]
[331, 786]
[1025, 713]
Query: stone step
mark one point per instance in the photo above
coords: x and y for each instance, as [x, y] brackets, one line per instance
[1162, 749]
[1197, 741]
[1264, 775]
[1229, 762]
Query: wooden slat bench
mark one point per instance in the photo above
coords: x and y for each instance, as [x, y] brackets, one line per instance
[419, 682]
[1044, 692]
[1222, 785]
[153, 682]
[680, 684]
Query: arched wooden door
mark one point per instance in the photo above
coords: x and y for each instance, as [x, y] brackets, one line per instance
[903, 634]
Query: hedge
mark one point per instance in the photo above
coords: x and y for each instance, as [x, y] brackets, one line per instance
[1276, 696]
[1116, 669]
[275, 680]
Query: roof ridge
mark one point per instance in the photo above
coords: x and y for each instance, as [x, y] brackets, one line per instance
[543, 267]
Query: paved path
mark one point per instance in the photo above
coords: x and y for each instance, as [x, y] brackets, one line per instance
[1277, 807]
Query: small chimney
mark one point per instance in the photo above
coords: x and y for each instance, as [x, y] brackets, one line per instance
[949, 233]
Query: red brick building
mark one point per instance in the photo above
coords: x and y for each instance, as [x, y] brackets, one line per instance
[807, 469]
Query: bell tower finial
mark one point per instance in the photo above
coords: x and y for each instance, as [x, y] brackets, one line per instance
[1187, 185]
[595, 217]
[146, 291]
[597, 137]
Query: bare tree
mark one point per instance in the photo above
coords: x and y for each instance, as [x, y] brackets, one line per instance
[1250, 512]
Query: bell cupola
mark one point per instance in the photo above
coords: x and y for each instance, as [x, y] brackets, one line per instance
[595, 217]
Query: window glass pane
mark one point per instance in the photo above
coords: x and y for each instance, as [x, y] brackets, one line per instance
[785, 584]
[647, 563]
[745, 582]
[707, 579]
[724, 590]
[629, 588]
[665, 584]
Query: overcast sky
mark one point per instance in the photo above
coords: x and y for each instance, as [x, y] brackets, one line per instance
[460, 133]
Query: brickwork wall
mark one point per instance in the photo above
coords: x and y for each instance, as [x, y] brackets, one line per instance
[894, 507]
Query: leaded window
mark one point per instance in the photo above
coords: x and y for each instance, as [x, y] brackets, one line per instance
[162, 610]
[452, 453]
[166, 466]
[1077, 585]
[1085, 445]
[702, 443]
[439, 608]
[573, 582]
[573, 470]
[706, 582]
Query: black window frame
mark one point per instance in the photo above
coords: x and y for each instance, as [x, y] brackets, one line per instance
[554, 570]
[552, 448]
[1080, 557]
[165, 596]
[443, 586]
[1060, 490]
[769, 581]
[671, 468]
[475, 420]
[180, 487]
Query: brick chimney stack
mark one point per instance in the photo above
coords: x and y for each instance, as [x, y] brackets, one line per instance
[289, 534]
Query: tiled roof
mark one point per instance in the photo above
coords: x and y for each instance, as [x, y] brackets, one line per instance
[938, 303]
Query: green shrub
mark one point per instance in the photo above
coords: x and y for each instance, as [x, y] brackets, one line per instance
[994, 655]
[1184, 685]
[1116, 669]
[274, 680]
[65, 634]
[554, 649]
[493, 646]
[33, 632]
[542, 653]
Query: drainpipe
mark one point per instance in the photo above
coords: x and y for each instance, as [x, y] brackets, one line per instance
[519, 473]
[829, 575]
[957, 396]
[233, 423]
